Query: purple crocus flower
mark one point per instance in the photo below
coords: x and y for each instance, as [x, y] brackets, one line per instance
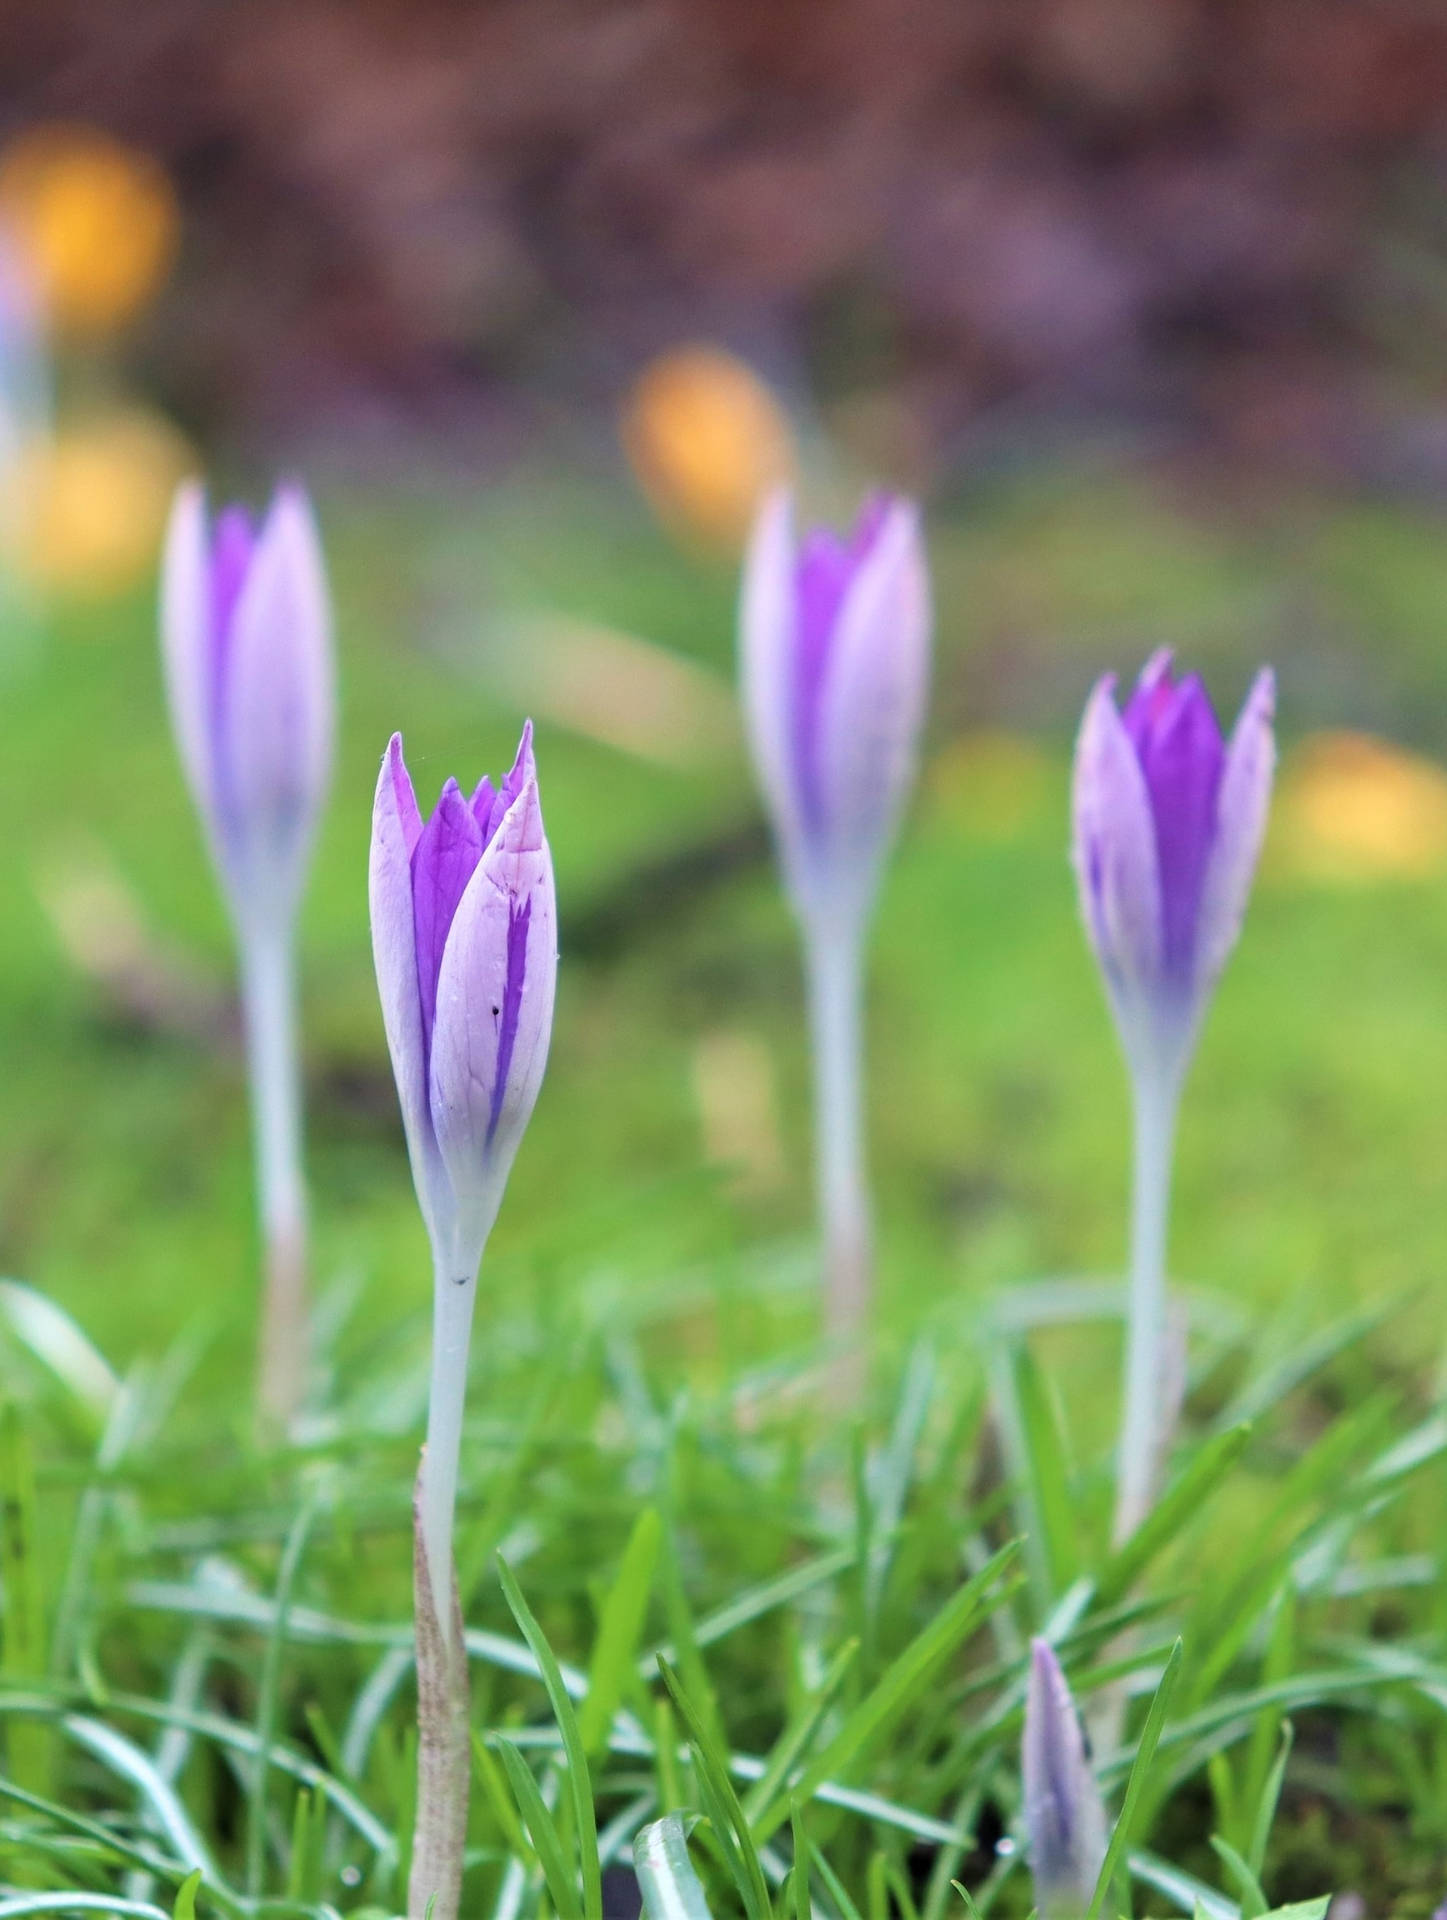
[1169, 819]
[464, 932]
[835, 659]
[246, 634]
[1065, 1823]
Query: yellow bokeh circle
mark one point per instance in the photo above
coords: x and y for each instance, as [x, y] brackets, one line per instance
[97, 221]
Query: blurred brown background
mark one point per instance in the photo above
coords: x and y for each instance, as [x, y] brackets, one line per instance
[1219, 219]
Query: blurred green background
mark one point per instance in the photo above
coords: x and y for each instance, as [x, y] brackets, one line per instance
[1145, 300]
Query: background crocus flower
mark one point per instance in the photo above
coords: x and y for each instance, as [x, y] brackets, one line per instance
[1065, 1824]
[246, 643]
[1169, 819]
[464, 934]
[835, 659]
[834, 644]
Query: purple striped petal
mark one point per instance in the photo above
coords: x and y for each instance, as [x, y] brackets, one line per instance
[494, 1011]
[443, 861]
[827, 568]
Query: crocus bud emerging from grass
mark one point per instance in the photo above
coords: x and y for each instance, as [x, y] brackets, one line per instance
[835, 657]
[1064, 1818]
[247, 641]
[835, 665]
[464, 931]
[1169, 819]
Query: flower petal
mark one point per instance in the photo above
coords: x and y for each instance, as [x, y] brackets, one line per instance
[767, 620]
[396, 828]
[1114, 851]
[443, 861]
[186, 642]
[872, 707]
[278, 710]
[1064, 1814]
[494, 1013]
[1241, 810]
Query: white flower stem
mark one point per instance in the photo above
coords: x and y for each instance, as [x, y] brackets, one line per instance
[1145, 1411]
[453, 1292]
[443, 1768]
[268, 989]
[834, 961]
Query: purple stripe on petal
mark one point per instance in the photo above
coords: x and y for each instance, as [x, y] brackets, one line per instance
[1181, 759]
[443, 861]
[519, 918]
[825, 569]
[233, 541]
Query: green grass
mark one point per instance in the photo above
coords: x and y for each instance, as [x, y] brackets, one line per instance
[645, 1337]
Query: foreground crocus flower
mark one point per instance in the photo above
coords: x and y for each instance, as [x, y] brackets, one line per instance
[834, 650]
[246, 641]
[1169, 819]
[464, 934]
[1065, 1823]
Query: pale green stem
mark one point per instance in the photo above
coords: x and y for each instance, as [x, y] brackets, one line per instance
[1143, 1435]
[454, 1289]
[834, 961]
[268, 990]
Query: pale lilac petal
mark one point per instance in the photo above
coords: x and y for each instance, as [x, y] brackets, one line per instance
[1242, 806]
[872, 707]
[494, 1012]
[1064, 1816]
[185, 641]
[767, 625]
[1114, 851]
[278, 712]
[396, 827]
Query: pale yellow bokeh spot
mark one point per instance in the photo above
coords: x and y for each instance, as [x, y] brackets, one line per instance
[91, 502]
[97, 221]
[706, 438]
[1353, 808]
[989, 785]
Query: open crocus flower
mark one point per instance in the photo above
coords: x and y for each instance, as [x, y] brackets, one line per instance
[464, 932]
[246, 637]
[835, 662]
[1169, 819]
[1065, 1823]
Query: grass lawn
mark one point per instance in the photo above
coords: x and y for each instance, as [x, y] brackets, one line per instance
[645, 1336]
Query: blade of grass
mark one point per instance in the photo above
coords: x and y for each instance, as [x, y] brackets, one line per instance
[722, 1803]
[579, 1781]
[620, 1628]
[903, 1680]
[1136, 1784]
[542, 1831]
[671, 1889]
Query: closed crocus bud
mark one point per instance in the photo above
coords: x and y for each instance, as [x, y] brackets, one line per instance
[246, 634]
[464, 932]
[1169, 819]
[835, 662]
[1065, 1823]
